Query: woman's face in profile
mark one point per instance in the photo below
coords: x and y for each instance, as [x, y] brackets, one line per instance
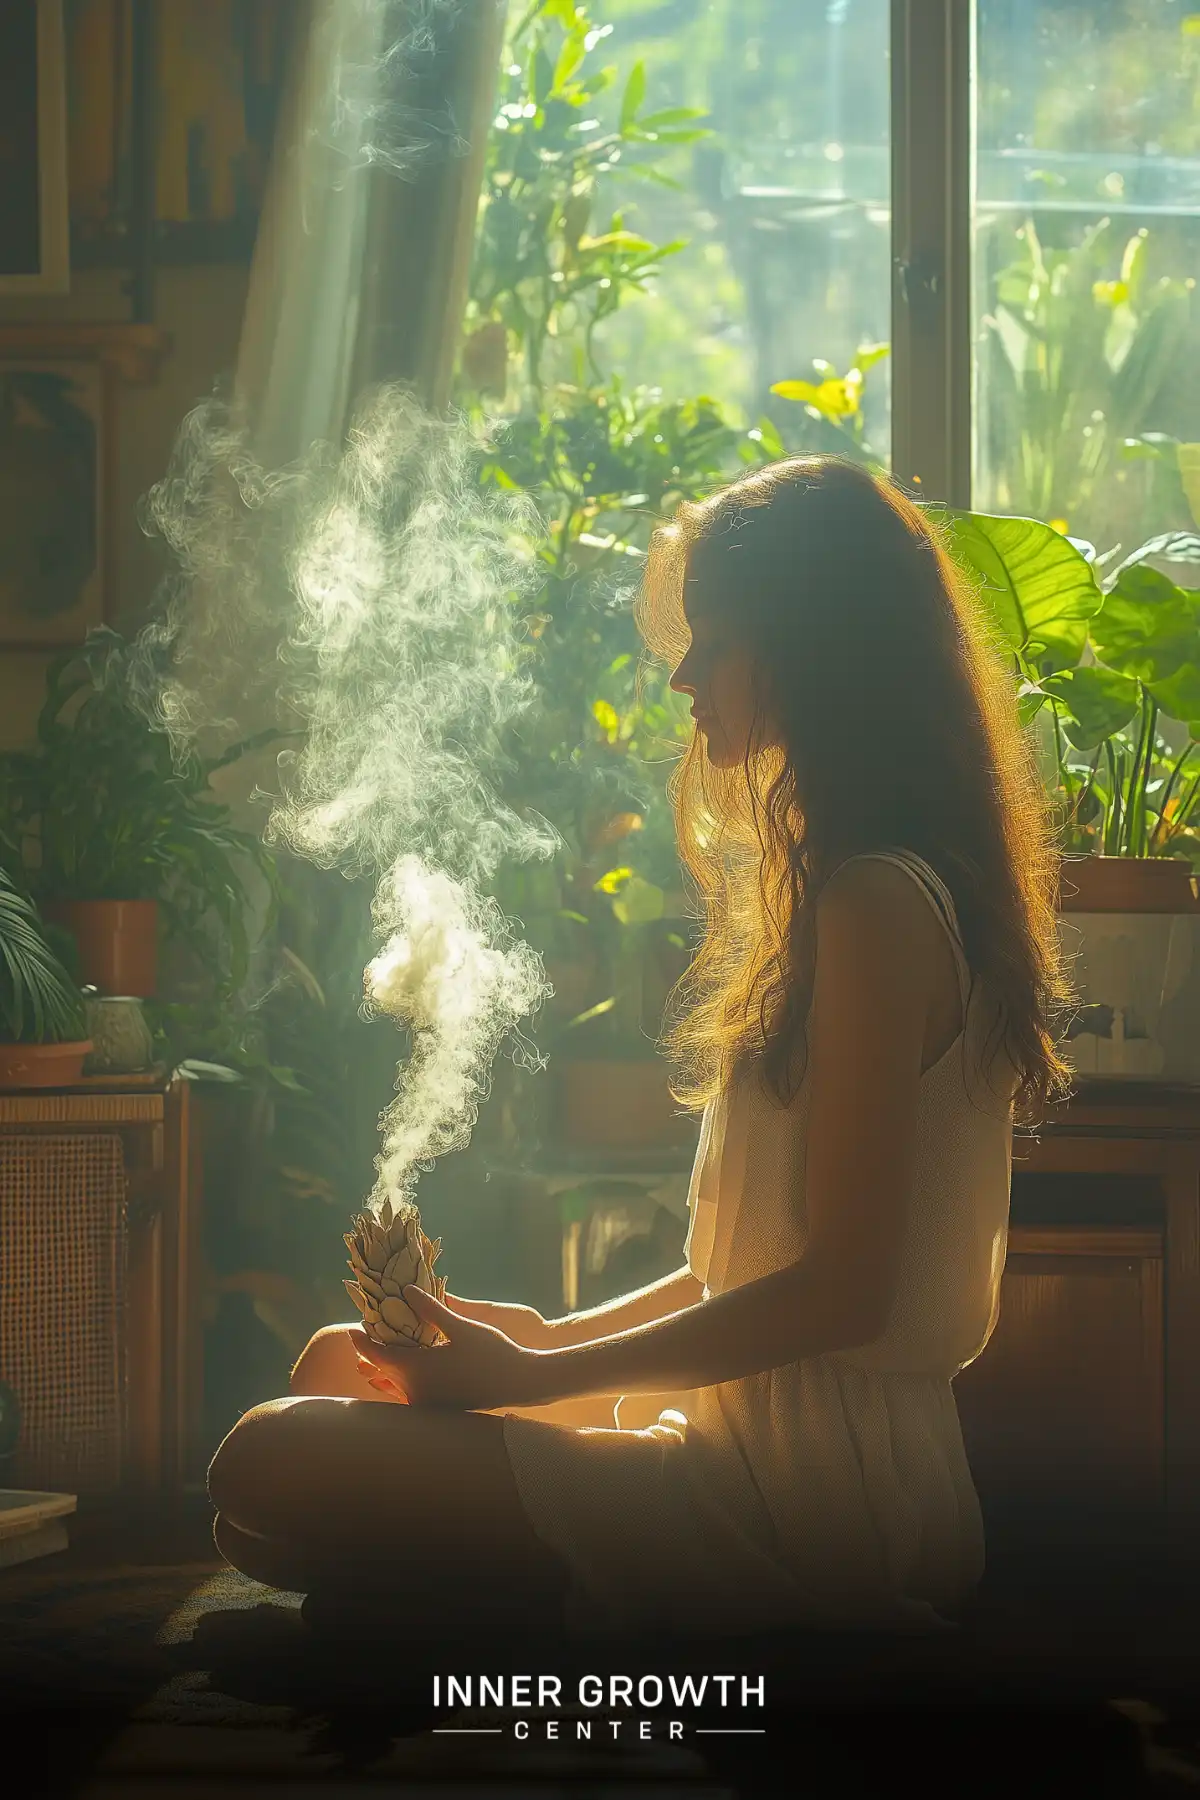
[717, 675]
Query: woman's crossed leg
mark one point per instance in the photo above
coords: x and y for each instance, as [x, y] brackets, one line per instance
[337, 1490]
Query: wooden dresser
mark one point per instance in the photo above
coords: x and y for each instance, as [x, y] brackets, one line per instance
[101, 1331]
[1085, 1405]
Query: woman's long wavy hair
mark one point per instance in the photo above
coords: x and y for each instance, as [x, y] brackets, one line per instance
[885, 717]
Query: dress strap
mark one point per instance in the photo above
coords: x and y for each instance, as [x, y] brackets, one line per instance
[939, 897]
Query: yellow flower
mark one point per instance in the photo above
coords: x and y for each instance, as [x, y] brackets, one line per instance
[836, 398]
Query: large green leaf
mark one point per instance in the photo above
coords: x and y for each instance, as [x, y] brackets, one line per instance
[1040, 589]
[1147, 626]
[1094, 703]
[1179, 696]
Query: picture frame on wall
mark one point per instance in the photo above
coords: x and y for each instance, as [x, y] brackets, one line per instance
[34, 200]
[216, 71]
[54, 499]
[61, 388]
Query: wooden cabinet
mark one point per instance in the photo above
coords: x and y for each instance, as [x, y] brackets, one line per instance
[1085, 1405]
[99, 1331]
[1063, 1412]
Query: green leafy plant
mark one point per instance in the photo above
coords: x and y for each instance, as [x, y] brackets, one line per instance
[1083, 348]
[835, 403]
[604, 460]
[549, 265]
[648, 950]
[39, 1002]
[1108, 660]
[100, 808]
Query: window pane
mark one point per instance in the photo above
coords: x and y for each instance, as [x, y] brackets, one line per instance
[1087, 242]
[785, 208]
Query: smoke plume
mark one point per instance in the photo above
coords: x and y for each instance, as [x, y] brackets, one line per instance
[365, 598]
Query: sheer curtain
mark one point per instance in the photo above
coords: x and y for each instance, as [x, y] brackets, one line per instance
[363, 250]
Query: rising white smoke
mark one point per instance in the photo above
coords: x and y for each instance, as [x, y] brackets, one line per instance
[368, 53]
[366, 598]
[361, 595]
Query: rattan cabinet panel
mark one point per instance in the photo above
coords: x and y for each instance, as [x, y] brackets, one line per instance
[97, 1320]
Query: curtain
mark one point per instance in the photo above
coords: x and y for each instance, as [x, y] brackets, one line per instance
[363, 251]
[359, 275]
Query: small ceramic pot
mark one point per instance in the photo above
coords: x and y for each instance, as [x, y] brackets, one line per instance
[120, 1034]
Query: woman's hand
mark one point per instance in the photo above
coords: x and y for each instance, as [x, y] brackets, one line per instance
[478, 1369]
[523, 1324]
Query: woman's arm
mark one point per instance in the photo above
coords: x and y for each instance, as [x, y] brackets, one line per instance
[523, 1324]
[668, 1295]
[526, 1326]
[875, 967]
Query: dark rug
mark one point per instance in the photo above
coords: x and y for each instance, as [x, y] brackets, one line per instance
[140, 1677]
[346, 1695]
[90, 1633]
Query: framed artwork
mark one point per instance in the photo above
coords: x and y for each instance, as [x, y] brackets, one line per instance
[34, 231]
[53, 503]
[218, 69]
[60, 387]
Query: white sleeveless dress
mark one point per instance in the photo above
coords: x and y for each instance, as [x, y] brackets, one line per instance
[832, 1491]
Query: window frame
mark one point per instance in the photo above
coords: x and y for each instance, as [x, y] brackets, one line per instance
[932, 53]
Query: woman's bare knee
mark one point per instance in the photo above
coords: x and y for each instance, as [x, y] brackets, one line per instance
[328, 1365]
[247, 1467]
[325, 1356]
[229, 1468]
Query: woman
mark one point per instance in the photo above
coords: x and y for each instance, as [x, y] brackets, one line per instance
[870, 1003]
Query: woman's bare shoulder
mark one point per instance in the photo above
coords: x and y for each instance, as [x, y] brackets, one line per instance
[870, 894]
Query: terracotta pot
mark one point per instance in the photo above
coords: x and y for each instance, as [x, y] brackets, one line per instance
[1126, 884]
[118, 943]
[615, 1105]
[42, 1065]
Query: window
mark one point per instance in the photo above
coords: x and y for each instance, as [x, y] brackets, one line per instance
[1007, 193]
[785, 207]
[1086, 227]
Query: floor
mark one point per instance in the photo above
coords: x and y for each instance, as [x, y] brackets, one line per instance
[132, 1666]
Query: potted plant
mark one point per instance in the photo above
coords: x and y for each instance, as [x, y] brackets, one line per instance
[115, 832]
[603, 461]
[1082, 345]
[613, 1089]
[42, 1042]
[1108, 663]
